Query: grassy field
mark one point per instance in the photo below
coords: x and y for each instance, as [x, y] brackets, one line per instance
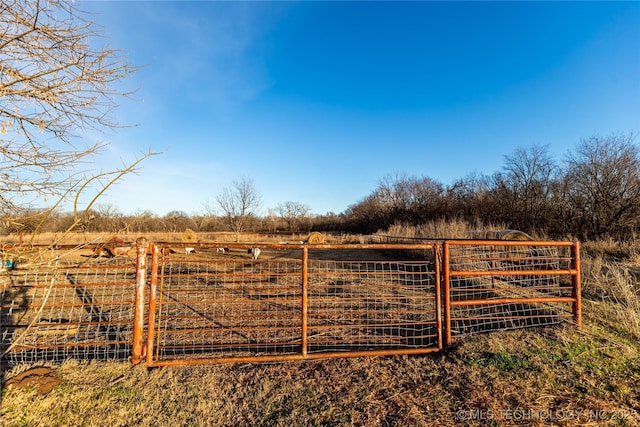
[545, 376]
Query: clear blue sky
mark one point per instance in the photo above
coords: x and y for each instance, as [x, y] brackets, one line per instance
[317, 101]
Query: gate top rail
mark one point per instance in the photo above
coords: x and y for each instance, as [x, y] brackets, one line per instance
[214, 245]
[487, 242]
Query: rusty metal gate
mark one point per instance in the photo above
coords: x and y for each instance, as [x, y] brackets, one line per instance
[497, 285]
[299, 302]
[294, 302]
[65, 309]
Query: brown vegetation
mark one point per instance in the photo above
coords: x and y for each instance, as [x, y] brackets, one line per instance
[548, 376]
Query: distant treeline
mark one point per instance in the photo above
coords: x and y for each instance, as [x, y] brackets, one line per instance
[593, 192]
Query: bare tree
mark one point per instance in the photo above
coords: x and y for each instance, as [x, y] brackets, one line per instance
[409, 198]
[239, 203]
[602, 184]
[178, 221]
[368, 215]
[470, 197]
[528, 175]
[54, 84]
[292, 212]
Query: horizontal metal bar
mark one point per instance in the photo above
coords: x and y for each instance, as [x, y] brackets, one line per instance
[230, 275]
[500, 273]
[61, 326]
[230, 329]
[244, 300]
[369, 340]
[485, 257]
[94, 304]
[231, 345]
[502, 288]
[313, 314]
[500, 317]
[61, 285]
[391, 274]
[318, 313]
[512, 301]
[224, 287]
[480, 242]
[370, 325]
[78, 267]
[338, 246]
[292, 357]
[70, 345]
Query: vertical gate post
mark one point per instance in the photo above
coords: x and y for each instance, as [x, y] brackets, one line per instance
[153, 286]
[138, 316]
[436, 271]
[577, 286]
[305, 297]
[447, 292]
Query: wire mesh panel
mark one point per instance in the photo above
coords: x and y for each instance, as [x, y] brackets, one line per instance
[494, 285]
[292, 303]
[223, 308]
[360, 304]
[82, 311]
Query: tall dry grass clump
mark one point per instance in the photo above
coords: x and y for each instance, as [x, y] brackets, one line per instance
[614, 289]
[442, 229]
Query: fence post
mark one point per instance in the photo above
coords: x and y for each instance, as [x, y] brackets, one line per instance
[437, 262]
[153, 287]
[138, 316]
[305, 297]
[577, 285]
[447, 292]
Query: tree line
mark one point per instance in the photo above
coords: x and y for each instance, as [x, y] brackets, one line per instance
[594, 192]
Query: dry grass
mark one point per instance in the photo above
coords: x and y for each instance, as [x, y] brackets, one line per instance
[613, 290]
[441, 229]
[565, 376]
[535, 377]
[178, 236]
[83, 238]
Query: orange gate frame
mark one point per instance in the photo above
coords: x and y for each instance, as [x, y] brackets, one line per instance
[541, 283]
[443, 273]
[432, 297]
[449, 273]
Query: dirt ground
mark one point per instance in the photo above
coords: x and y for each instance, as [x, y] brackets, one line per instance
[42, 379]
